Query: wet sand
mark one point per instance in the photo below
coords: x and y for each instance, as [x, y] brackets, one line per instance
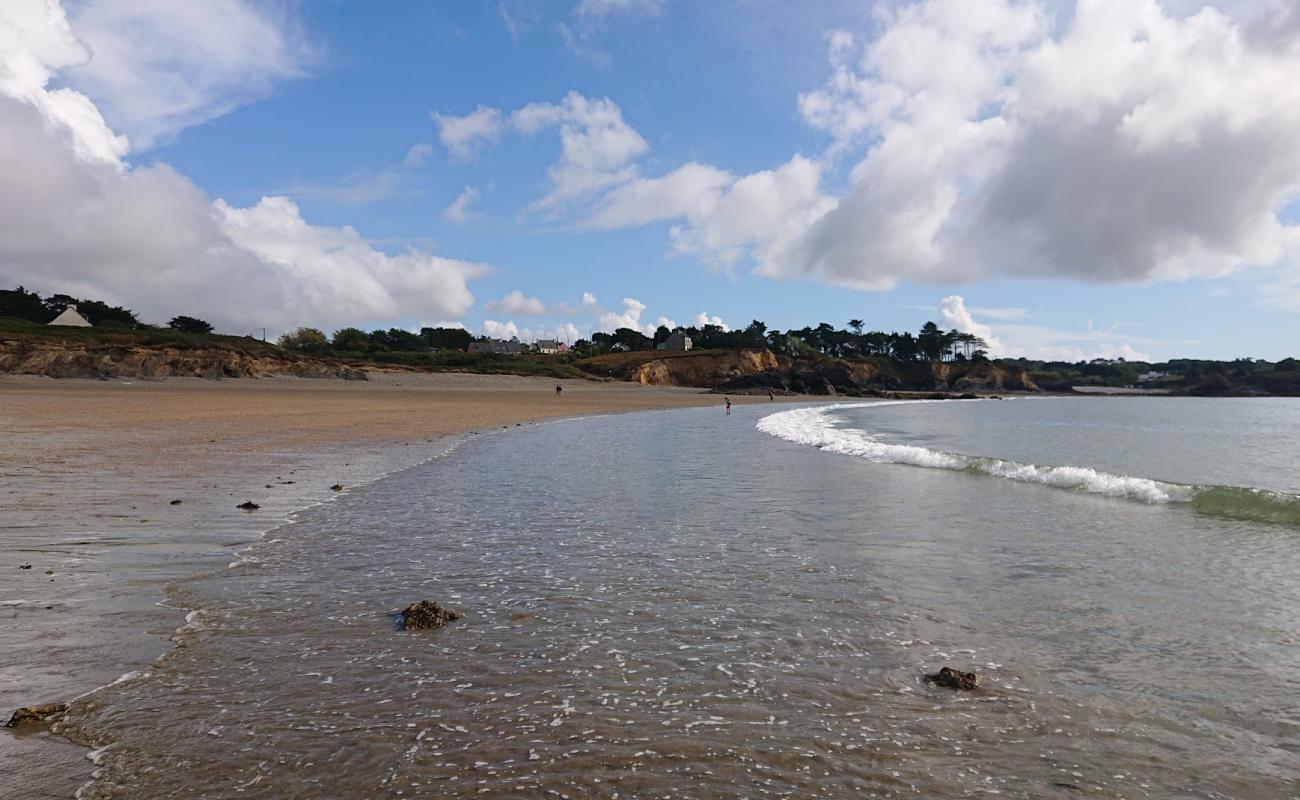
[90, 470]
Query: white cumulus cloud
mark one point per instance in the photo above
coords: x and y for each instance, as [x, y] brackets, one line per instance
[1130, 145]
[629, 317]
[160, 66]
[703, 318]
[952, 310]
[517, 304]
[500, 330]
[464, 135]
[77, 217]
[597, 147]
[1016, 340]
[1108, 141]
[459, 210]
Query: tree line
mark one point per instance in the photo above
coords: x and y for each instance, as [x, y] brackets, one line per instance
[30, 306]
[930, 343]
[356, 342]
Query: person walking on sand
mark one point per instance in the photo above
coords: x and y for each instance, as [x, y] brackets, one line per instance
[559, 390]
[728, 399]
[770, 396]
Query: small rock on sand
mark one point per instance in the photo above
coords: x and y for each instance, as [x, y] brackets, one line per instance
[338, 487]
[175, 502]
[950, 678]
[31, 715]
[425, 614]
[248, 505]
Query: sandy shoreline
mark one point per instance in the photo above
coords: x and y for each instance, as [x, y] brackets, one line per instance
[90, 470]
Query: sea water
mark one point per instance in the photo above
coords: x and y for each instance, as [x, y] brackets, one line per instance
[695, 604]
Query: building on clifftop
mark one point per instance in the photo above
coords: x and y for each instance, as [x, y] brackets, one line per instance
[70, 317]
[677, 341]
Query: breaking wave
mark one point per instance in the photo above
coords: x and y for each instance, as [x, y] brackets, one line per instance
[815, 426]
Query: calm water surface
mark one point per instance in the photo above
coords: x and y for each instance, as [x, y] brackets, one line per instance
[681, 604]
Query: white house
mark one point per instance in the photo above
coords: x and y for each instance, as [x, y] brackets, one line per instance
[71, 318]
[548, 347]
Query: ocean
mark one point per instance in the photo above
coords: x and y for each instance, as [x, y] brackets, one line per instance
[694, 604]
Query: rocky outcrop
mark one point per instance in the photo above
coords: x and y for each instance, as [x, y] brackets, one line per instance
[36, 715]
[425, 615]
[81, 359]
[703, 370]
[987, 376]
[751, 371]
[950, 678]
[870, 378]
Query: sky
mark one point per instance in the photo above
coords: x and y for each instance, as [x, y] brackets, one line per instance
[1100, 179]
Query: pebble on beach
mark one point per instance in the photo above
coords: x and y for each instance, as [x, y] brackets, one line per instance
[248, 505]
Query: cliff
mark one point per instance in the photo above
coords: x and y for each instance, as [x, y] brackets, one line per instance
[757, 371]
[82, 358]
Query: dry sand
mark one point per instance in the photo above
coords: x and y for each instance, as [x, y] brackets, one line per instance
[89, 470]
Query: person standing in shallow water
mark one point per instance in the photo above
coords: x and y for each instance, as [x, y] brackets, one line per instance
[728, 399]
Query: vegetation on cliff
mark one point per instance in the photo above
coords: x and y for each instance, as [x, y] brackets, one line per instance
[813, 360]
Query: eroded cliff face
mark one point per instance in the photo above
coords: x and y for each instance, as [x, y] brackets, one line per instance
[704, 370]
[758, 371]
[58, 359]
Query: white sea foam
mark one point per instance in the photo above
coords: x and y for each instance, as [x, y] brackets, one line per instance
[816, 427]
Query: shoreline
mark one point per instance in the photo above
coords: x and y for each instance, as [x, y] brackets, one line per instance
[92, 469]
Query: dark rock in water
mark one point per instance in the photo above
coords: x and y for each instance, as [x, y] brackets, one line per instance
[175, 502]
[338, 487]
[248, 505]
[31, 715]
[950, 678]
[24, 566]
[425, 614]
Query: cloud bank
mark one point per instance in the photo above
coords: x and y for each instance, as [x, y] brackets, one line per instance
[1112, 141]
[76, 216]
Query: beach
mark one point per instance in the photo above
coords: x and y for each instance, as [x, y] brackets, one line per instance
[680, 602]
[92, 472]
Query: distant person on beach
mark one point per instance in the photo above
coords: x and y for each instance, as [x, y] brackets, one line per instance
[770, 396]
[728, 399]
[559, 390]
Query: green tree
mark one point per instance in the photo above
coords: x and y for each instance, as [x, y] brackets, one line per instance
[305, 340]
[399, 340]
[23, 304]
[189, 324]
[350, 340]
[632, 340]
[96, 312]
[447, 338]
[930, 342]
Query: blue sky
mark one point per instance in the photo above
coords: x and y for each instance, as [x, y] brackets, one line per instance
[894, 162]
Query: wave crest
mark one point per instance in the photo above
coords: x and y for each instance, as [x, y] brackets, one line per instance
[814, 426]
